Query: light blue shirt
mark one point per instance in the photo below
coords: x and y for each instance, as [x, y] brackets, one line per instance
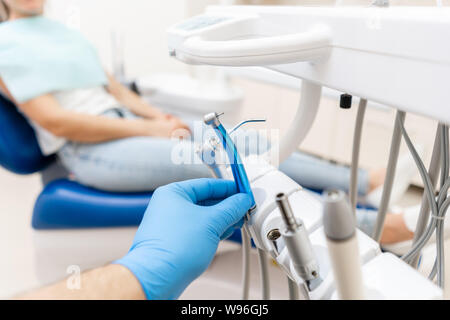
[40, 56]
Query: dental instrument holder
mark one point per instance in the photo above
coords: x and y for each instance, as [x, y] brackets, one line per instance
[237, 167]
[298, 245]
[340, 230]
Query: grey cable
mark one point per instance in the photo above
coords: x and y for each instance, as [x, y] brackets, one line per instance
[390, 174]
[437, 222]
[440, 254]
[431, 200]
[444, 154]
[441, 199]
[439, 267]
[353, 190]
[424, 213]
[433, 271]
[293, 289]
[246, 247]
[264, 269]
[430, 195]
[440, 259]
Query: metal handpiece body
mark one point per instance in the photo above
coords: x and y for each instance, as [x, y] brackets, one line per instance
[298, 243]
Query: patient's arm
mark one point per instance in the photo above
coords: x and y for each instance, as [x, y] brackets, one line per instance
[132, 101]
[46, 111]
[5, 90]
[110, 282]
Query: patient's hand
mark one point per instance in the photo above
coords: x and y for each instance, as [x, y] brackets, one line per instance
[170, 127]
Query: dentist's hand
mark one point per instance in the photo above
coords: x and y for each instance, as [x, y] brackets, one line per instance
[180, 233]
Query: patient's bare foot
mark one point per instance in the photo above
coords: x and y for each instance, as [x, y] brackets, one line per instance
[376, 178]
[395, 230]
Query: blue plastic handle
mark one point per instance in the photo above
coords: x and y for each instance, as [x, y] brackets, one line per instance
[237, 167]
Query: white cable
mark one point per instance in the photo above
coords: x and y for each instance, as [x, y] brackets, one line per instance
[246, 246]
[264, 269]
[390, 174]
[293, 289]
[353, 190]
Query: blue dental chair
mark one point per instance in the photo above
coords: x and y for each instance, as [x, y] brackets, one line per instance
[63, 204]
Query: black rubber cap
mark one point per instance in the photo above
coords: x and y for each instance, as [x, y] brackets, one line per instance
[346, 101]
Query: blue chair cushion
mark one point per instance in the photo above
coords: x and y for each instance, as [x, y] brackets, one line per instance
[19, 149]
[66, 204]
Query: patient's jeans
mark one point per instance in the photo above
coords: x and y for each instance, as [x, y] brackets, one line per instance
[145, 163]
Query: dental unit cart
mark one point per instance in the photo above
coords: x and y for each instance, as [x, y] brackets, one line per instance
[394, 56]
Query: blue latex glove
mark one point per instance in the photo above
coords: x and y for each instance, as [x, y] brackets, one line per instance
[180, 233]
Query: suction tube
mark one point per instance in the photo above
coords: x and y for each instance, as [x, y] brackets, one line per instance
[340, 230]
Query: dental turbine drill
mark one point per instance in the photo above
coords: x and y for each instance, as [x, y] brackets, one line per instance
[237, 167]
[340, 230]
[298, 245]
[242, 185]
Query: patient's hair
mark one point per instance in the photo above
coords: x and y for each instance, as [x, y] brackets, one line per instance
[4, 11]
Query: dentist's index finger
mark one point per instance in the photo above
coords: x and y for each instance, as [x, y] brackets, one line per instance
[208, 189]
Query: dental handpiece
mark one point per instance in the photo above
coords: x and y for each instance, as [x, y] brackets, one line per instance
[237, 167]
[298, 244]
[340, 230]
[207, 153]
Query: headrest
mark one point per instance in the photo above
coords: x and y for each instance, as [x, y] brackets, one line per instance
[19, 149]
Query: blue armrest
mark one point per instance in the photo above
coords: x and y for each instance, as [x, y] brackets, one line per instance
[66, 204]
[19, 150]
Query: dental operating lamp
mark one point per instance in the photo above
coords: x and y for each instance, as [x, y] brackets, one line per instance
[393, 56]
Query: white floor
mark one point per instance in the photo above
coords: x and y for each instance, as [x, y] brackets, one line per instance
[17, 196]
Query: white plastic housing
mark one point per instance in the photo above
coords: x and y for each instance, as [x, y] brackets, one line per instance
[388, 278]
[395, 56]
[226, 40]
